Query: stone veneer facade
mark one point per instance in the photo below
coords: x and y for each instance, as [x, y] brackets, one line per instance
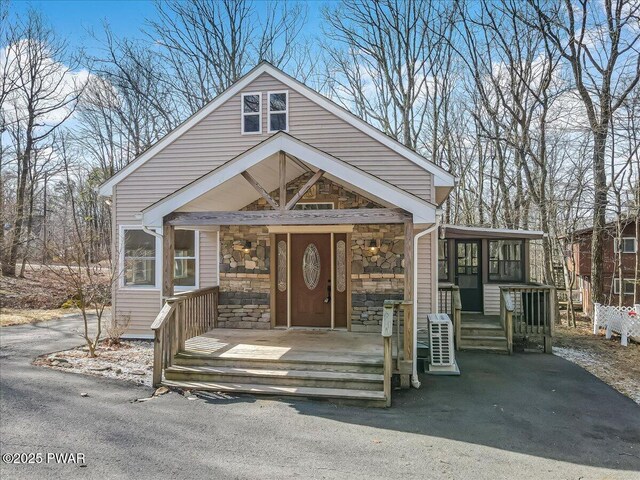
[376, 274]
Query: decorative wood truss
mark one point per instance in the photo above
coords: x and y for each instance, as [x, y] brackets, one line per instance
[283, 204]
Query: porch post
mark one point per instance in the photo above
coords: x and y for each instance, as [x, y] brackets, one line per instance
[168, 259]
[406, 367]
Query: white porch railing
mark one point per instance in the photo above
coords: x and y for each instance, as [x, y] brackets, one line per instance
[622, 320]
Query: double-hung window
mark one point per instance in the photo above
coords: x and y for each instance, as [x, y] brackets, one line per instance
[139, 255]
[252, 112]
[186, 250]
[628, 286]
[625, 245]
[278, 111]
[506, 261]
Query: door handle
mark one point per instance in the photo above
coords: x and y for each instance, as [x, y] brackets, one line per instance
[328, 297]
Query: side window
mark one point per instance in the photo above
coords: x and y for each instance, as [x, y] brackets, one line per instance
[139, 258]
[278, 111]
[185, 258]
[506, 261]
[443, 260]
[625, 245]
[251, 112]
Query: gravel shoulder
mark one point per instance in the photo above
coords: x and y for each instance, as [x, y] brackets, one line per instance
[612, 363]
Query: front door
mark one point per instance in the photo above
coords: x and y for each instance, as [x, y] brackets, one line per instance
[311, 280]
[469, 275]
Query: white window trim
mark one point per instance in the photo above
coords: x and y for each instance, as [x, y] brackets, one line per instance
[285, 111]
[243, 113]
[617, 241]
[158, 279]
[617, 285]
[333, 205]
[196, 247]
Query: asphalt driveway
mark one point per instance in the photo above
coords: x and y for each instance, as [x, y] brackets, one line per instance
[525, 416]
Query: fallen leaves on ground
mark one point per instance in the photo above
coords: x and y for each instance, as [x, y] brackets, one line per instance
[131, 360]
[612, 363]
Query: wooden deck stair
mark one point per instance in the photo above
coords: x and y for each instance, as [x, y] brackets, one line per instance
[484, 333]
[352, 379]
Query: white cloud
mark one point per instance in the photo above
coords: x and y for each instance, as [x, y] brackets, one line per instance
[57, 85]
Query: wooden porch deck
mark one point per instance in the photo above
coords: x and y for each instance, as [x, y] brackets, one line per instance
[287, 345]
[337, 365]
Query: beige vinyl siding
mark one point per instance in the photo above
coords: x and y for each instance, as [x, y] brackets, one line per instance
[491, 296]
[141, 306]
[425, 280]
[217, 139]
[208, 259]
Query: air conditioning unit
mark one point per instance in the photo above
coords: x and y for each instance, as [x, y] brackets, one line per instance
[441, 347]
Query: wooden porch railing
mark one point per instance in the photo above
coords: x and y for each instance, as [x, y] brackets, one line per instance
[183, 316]
[528, 310]
[449, 302]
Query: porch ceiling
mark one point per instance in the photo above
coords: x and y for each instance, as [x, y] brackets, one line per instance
[236, 192]
[204, 194]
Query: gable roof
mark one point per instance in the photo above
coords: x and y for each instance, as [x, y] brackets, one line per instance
[442, 178]
[423, 211]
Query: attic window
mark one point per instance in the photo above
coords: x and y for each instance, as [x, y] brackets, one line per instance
[278, 111]
[251, 112]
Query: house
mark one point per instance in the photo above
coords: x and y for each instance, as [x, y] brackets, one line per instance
[277, 210]
[620, 254]
[258, 241]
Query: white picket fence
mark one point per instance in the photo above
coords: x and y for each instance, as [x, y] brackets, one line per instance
[622, 320]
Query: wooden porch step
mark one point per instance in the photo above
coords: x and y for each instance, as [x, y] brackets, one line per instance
[485, 348]
[319, 362]
[264, 376]
[482, 332]
[490, 343]
[361, 397]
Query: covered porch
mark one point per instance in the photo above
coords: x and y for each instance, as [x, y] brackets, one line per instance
[302, 243]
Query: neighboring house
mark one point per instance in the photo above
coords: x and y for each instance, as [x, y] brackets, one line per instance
[618, 249]
[301, 213]
[481, 260]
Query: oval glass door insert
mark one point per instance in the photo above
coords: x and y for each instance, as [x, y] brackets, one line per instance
[311, 266]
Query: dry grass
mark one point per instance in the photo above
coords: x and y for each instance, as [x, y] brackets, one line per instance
[606, 359]
[18, 316]
[41, 288]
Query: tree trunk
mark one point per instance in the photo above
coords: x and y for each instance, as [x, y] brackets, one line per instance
[599, 217]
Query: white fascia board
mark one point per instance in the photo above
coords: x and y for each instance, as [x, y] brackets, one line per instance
[505, 231]
[442, 178]
[106, 189]
[423, 212]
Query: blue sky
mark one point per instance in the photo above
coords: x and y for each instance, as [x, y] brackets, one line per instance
[73, 19]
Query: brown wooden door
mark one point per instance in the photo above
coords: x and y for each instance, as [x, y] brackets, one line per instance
[311, 280]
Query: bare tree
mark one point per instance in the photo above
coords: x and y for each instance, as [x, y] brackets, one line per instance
[388, 60]
[75, 265]
[599, 41]
[208, 45]
[44, 96]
